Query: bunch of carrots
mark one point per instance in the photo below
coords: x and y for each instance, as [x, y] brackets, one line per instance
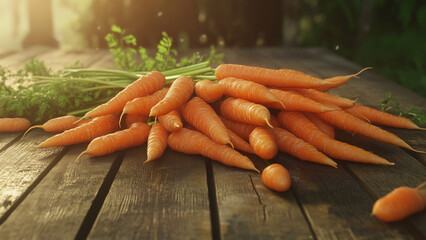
[246, 109]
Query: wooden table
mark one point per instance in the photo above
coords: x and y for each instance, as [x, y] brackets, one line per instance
[47, 194]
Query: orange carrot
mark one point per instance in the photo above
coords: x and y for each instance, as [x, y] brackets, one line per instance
[172, 121]
[157, 142]
[323, 97]
[145, 85]
[86, 132]
[135, 135]
[58, 124]
[263, 142]
[202, 116]
[134, 118]
[14, 124]
[384, 118]
[208, 90]
[179, 93]
[244, 111]
[276, 177]
[194, 142]
[143, 105]
[339, 80]
[239, 143]
[356, 113]
[323, 126]
[274, 121]
[296, 102]
[241, 129]
[289, 143]
[248, 90]
[269, 77]
[400, 203]
[299, 125]
[352, 124]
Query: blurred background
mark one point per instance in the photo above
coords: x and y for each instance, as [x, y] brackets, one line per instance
[389, 35]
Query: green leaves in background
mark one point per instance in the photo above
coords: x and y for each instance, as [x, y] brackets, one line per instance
[124, 48]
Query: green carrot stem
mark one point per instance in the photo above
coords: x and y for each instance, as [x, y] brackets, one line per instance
[106, 71]
[192, 67]
[207, 77]
[190, 73]
[110, 83]
[100, 88]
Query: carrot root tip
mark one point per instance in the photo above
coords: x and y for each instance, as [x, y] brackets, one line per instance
[36, 126]
[81, 154]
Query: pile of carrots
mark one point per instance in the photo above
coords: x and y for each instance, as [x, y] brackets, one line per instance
[247, 109]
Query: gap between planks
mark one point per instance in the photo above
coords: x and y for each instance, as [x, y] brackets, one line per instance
[95, 208]
[39, 178]
[214, 210]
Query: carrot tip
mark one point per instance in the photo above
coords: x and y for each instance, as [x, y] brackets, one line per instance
[36, 126]
[81, 154]
[269, 124]
[120, 119]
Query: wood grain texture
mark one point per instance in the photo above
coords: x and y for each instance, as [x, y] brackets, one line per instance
[249, 210]
[163, 199]
[19, 59]
[63, 197]
[336, 206]
[20, 167]
[7, 138]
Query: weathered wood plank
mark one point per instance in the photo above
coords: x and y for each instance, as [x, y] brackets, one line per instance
[19, 59]
[249, 210]
[64, 197]
[7, 138]
[59, 59]
[20, 168]
[164, 199]
[335, 204]
[380, 181]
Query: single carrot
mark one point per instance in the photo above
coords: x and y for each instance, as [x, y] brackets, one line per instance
[289, 143]
[269, 77]
[14, 124]
[145, 85]
[58, 124]
[239, 143]
[179, 93]
[241, 129]
[356, 113]
[245, 111]
[384, 118]
[263, 142]
[302, 127]
[194, 142]
[143, 105]
[276, 177]
[202, 116]
[400, 203]
[208, 90]
[172, 121]
[352, 124]
[339, 80]
[157, 142]
[322, 125]
[135, 135]
[134, 118]
[248, 90]
[323, 97]
[86, 132]
[296, 102]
